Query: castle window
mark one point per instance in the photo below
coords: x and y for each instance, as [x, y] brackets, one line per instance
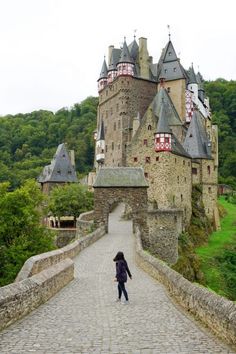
[183, 162]
[69, 172]
[147, 159]
[106, 148]
[178, 179]
[149, 127]
[167, 140]
[165, 71]
[209, 189]
[185, 179]
[209, 169]
[191, 135]
[168, 89]
[181, 196]
[114, 126]
[58, 172]
[157, 158]
[145, 174]
[174, 69]
[175, 160]
[125, 146]
[112, 146]
[145, 142]
[169, 53]
[135, 159]
[194, 171]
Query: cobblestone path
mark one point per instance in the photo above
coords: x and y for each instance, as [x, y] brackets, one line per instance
[83, 317]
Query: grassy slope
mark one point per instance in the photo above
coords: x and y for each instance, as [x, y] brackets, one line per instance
[218, 241]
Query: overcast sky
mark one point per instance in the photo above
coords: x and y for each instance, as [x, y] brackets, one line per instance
[51, 51]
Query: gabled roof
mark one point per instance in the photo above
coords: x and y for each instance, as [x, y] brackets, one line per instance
[120, 177]
[101, 132]
[103, 74]
[125, 54]
[196, 142]
[60, 169]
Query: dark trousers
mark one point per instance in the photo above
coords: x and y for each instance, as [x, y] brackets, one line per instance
[121, 289]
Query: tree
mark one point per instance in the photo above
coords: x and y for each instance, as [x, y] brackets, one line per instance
[21, 232]
[70, 200]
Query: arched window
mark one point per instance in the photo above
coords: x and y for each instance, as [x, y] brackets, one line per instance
[149, 127]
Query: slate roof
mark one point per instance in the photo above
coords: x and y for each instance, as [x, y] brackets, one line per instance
[162, 124]
[192, 75]
[196, 142]
[172, 115]
[60, 169]
[103, 73]
[169, 66]
[125, 54]
[120, 177]
[134, 49]
[115, 56]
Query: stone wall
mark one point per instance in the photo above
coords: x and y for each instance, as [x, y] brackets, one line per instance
[64, 236]
[218, 313]
[40, 278]
[164, 227]
[19, 299]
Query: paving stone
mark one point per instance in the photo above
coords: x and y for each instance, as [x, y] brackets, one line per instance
[83, 317]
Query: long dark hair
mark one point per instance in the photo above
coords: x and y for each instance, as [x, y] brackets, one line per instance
[120, 256]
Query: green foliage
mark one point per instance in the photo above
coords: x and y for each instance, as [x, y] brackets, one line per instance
[21, 234]
[222, 96]
[218, 258]
[28, 142]
[71, 199]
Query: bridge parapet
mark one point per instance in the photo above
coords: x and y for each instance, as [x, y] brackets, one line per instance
[215, 311]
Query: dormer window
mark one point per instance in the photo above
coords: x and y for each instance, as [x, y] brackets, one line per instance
[58, 172]
[169, 53]
[174, 69]
[165, 71]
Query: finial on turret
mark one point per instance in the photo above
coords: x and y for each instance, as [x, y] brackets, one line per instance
[169, 34]
[135, 34]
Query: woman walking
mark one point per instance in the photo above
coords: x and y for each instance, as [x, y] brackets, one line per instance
[121, 276]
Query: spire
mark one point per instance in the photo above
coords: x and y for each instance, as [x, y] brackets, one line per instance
[192, 75]
[196, 142]
[103, 74]
[125, 55]
[101, 132]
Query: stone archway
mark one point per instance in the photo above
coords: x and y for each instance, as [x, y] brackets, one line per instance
[120, 184]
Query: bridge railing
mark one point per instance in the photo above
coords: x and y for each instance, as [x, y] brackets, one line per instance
[218, 313]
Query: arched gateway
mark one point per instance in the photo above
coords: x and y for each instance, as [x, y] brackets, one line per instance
[120, 184]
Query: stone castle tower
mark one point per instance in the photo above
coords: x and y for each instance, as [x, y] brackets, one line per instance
[156, 116]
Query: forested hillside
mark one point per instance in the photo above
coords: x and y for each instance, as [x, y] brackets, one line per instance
[29, 141]
[222, 96]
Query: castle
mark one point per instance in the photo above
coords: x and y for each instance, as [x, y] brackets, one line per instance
[156, 116]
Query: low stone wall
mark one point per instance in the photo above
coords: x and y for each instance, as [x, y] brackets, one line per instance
[36, 264]
[64, 236]
[18, 299]
[218, 313]
[40, 278]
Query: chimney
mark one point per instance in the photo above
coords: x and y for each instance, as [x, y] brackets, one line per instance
[72, 157]
[110, 49]
[143, 58]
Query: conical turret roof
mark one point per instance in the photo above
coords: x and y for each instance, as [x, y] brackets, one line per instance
[125, 54]
[115, 56]
[133, 49]
[192, 75]
[103, 74]
[162, 125]
[101, 132]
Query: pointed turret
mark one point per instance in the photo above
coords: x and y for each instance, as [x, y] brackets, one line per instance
[201, 91]
[133, 49]
[196, 142]
[102, 81]
[191, 75]
[163, 134]
[125, 65]
[100, 145]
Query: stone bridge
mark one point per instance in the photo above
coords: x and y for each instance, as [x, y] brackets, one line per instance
[84, 317]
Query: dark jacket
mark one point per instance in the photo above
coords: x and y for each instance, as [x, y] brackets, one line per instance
[121, 271]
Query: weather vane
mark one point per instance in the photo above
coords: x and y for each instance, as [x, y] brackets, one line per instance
[168, 26]
[135, 33]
